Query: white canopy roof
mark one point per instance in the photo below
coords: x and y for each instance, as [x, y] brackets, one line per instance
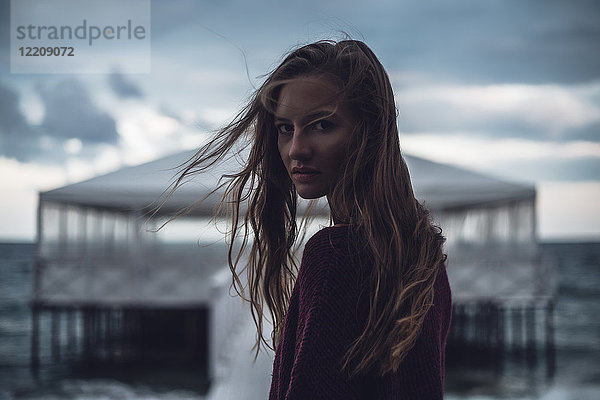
[143, 187]
[443, 186]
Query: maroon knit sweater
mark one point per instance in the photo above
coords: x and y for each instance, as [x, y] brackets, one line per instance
[327, 312]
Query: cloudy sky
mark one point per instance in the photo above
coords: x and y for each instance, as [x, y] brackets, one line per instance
[510, 88]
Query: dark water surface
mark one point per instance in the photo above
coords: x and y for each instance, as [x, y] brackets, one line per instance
[577, 339]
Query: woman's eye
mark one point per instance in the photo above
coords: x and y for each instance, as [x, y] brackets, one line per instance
[322, 125]
[285, 128]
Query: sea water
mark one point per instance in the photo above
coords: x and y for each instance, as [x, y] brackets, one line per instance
[577, 339]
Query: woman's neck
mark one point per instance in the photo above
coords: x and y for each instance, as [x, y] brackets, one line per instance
[334, 216]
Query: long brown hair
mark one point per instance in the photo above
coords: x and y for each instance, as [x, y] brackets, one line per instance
[375, 196]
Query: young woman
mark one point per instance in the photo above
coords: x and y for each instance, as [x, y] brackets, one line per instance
[366, 314]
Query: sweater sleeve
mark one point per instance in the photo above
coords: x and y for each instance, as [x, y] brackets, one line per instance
[327, 325]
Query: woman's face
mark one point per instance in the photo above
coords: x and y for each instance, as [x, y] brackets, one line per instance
[313, 133]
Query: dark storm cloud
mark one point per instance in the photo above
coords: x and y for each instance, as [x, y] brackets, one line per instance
[473, 41]
[496, 127]
[533, 41]
[71, 113]
[505, 41]
[11, 118]
[123, 87]
[467, 42]
[493, 126]
[17, 138]
[589, 133]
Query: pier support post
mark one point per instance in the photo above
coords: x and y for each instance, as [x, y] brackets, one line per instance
[499, 339]
[87, 332]
[55, 335]
[517, 329]
[530, 320]
[71, 335]
[550, 350]
[35, 341]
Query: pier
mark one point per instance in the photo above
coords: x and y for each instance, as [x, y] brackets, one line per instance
[110, 290]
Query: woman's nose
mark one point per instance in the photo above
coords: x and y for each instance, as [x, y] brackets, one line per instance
[300, 146]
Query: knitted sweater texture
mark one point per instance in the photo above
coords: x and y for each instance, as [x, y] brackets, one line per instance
[327, 312]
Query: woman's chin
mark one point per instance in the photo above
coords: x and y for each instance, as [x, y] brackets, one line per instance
[309, 195]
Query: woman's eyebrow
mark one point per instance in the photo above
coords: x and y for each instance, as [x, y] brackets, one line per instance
[306, 119]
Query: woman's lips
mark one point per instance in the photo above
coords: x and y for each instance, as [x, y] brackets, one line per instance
[304, 175]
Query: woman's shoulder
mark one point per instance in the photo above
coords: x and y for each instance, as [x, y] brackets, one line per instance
[330, 240]
[332, 249]
[332, 268]
[332, 231]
